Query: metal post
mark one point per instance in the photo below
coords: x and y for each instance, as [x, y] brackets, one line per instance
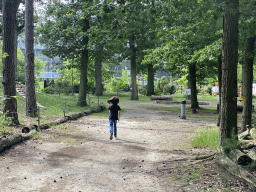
[183, 109]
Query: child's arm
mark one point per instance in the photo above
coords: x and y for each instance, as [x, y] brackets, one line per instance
[119, 115]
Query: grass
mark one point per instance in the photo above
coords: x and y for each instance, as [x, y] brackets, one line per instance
[207, 137]
[205, 113]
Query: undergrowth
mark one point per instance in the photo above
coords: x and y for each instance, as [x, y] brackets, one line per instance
[206, 137]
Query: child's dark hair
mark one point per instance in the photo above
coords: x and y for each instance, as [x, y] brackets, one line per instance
[114, 100]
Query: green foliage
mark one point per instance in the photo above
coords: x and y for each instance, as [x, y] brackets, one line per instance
[169, 89]
[39, 66]
[5, 55]
[4, 125]
[119, 84]
[207, 137]
[157, 91]
[161, 83]
[163, 86]
[142, 90]
[229, 144]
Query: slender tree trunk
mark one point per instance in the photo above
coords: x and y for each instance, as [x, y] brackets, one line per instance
[98, 73]
[151, 86]
[16, 38]
[220, 83]
[188, 87]
[9, 91]
[31, 107]
[84, 66]
[247, 83]
[134, 95]
[228, 121]
[192, 75]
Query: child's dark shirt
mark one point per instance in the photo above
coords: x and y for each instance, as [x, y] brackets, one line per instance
[114, 112]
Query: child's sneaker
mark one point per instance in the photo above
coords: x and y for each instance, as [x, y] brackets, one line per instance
[115, 136]
[111, 136]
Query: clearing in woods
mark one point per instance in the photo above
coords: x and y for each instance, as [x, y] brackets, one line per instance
[147, 156]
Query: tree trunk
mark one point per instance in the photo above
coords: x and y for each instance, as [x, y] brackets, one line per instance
[16, 32]
[15, 49]
[31, 107]
[247, 83]
[188, 87]
[150, 87]
[84, 66]
[219, 81]
[98, 73]
[192, 75]
[228, 121]
[134, 95]
[9, 91]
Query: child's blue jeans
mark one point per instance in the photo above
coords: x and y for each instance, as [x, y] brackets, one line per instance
[112, 125]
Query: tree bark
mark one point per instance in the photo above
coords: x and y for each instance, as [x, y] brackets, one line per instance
[16, 39]
[98, 73]
[192, 75]
[15, 49]
[84, 67]
[220, 83]
[247, 83]
[134, 95]
[188, 87]
[31, 107]
[228, 121]
[9, 91]
[150, 87]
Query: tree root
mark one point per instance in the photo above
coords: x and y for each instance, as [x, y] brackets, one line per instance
[237, 170]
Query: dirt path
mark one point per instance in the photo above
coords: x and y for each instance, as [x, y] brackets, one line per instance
[78, 156]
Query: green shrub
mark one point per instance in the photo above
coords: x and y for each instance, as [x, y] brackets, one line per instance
[142, 90]
[49, 89]
[169, 89]
[156, 90]
[4, 128]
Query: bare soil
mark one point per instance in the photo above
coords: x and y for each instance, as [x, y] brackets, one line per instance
[149, 155]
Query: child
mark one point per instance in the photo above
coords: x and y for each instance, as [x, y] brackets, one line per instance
[114, 115]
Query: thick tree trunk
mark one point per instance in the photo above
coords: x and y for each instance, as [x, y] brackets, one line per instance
[150, 87]
[31, 107]
[84, 66]
[220, 83]
[228, 121]
[9, 91]
[98, 73]
[134, 95]
[192, 75]
[247, 83]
